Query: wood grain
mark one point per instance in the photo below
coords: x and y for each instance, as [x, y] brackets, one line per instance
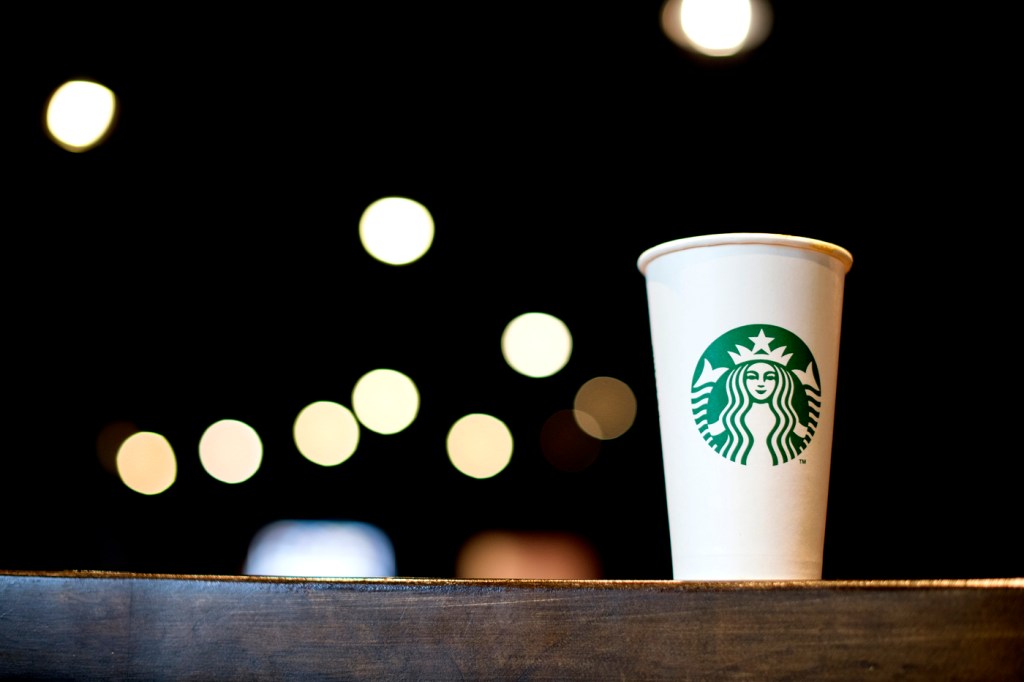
[95, 625]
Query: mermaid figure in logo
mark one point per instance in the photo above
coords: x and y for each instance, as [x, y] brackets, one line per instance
[759, 407]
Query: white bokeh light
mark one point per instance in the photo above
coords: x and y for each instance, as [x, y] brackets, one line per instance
[322, 549]
[396, 230]
[230, 451]
[385, 401]
[717, 28]
[536, 344]
[479, 445]
[326, 433]
[80, 114]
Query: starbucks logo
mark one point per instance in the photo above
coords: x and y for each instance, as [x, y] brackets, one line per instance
[756, 395]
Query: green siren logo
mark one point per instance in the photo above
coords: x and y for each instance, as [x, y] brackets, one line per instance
[756, 395]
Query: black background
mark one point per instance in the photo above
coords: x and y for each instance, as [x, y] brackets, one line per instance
[205, 263]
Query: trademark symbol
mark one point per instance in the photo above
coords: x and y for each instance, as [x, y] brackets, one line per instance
[803, 461]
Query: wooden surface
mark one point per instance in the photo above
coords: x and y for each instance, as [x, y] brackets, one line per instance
[90, 625]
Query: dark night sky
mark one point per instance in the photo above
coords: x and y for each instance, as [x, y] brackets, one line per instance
[164, 277]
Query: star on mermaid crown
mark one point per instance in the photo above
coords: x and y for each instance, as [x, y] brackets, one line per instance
[760, 351]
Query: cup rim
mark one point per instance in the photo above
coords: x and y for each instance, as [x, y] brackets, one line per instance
[733, 238]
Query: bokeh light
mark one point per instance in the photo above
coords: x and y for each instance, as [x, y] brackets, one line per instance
[80, 114]
[536, 344]
[109, 440]
[565, 445]
[717, 28]
[396, 230]
[479, 445]
[321, 549]
[231, 451]
[527, 555]
[326, 433]
[385, 401]
[146, 463]
[605, 407]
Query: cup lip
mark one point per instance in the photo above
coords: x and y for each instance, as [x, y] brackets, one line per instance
[733, 238]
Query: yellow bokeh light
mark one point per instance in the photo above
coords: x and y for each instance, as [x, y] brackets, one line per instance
[230, 451]
[479, 445]
[565, 445]
[385, 401]
[80, 114]
[527, 555]
[326, 433]
[605, 407]
[146, 463]
[396, 230]
[536, 344]
[109, 440]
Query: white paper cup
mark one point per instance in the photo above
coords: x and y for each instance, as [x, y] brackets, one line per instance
[745, 331]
